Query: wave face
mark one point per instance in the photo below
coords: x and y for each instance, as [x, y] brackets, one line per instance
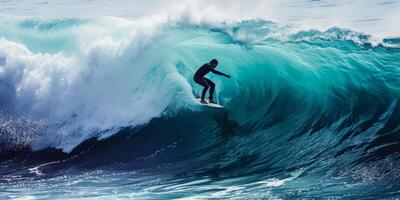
[307, 113]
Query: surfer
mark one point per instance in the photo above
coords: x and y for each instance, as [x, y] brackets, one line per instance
[205, 82]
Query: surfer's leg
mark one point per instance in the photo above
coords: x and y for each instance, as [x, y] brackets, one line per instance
[212, 87]
[203, 83]
[203, 94]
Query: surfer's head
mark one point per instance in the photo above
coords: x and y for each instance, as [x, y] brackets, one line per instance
[214, 63]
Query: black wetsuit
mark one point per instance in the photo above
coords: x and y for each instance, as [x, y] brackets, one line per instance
[205, 82]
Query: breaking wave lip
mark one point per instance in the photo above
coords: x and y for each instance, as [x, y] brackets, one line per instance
[76, 79]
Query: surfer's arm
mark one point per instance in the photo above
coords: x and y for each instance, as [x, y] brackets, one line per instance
[219, 73]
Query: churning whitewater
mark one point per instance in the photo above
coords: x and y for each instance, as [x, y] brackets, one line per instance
[308, 113]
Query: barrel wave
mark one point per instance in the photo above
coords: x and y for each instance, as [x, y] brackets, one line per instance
[107, 106]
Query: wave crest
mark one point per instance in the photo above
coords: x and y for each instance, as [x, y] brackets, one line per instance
[96, 76]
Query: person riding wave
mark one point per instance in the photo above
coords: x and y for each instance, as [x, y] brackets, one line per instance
[205, 82]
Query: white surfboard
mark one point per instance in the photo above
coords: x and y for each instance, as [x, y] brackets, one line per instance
[214, 105]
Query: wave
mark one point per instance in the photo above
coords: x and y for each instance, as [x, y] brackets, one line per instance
[83, 79]
[326, 97]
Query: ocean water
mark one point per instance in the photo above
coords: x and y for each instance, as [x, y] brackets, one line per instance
[97, 100]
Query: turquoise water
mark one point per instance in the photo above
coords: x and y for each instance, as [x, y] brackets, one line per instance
[105, 108]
